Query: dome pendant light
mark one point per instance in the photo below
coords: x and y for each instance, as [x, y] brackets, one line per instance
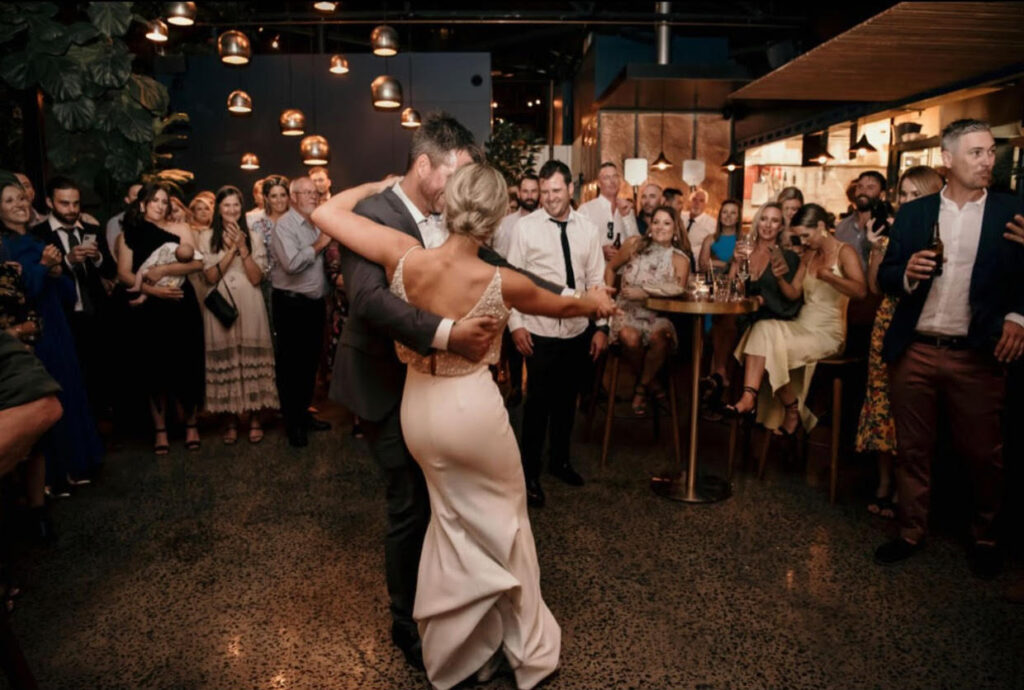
[386, 92]
[180, 13]
[233, 48]
[156, 31]
[411, 118]
[239, 102]
[384, 40]
[315, 150]
[293, 122]
[250, 161]
[339, 64]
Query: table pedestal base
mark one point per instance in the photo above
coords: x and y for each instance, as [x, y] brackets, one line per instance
[707, 489]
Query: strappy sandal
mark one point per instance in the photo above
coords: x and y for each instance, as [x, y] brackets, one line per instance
[883, 507]
[194, 445]
[255, 434]
[657, 391]
[732, 412]
[231, 435]
[639, 393]
[781, 431]
[161, 448]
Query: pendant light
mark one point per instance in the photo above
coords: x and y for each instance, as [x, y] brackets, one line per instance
[732, 162]
[315, 150]
[661, 162]
[339, 64]
[156, 31]
[386, 93]
[292, 122]
[250, 161]
[410, 116]
[180, 13]
[862, 146]
[239, 102]
[233, 48]
[325, 6]
[822, 156]
[384, 40]
[693, 168]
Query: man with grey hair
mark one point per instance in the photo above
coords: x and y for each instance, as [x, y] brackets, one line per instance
[958, 323]
[696, 223]
[299, 286]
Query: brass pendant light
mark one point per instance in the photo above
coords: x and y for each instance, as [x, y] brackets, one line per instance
[292, 122]
[180, 13]
[315, 150]
[156, 31]
[339, 64]
[250, 161]
[384, 40]
[411, 118]
[239, 102]
[386, 92]
[233, 48]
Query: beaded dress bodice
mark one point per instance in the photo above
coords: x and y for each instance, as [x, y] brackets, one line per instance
[441, 363]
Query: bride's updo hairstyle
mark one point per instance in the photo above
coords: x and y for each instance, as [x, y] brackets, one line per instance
[475, 201]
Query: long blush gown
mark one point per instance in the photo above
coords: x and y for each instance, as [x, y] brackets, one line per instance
[478, 590]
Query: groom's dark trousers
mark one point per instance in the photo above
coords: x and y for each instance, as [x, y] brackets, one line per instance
[368, 380]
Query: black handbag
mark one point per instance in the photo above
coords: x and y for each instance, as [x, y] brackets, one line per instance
[225, 311]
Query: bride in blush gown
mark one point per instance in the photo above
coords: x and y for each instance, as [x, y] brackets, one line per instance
[478, 596]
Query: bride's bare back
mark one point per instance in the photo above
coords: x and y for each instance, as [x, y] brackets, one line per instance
[445, 284]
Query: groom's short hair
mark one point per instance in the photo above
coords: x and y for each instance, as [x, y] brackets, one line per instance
[438, 137]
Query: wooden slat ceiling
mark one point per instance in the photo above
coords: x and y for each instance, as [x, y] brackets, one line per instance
[911, 48]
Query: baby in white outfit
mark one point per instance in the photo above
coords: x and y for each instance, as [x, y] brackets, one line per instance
[166, 253]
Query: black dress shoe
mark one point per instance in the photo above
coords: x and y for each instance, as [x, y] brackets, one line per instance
[895, 551]
[315, 424]
[986, 561]
[409, 643]
[298, 438]
[534, 494]
[567, 474]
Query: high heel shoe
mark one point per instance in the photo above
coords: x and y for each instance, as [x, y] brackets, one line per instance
[161, 448]
[793, 439]
[193, 445]
[782, 431]
[731, 411]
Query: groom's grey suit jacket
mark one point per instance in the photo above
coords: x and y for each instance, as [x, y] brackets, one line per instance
[368, 378]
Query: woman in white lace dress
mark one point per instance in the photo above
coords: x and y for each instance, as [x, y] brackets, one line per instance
[478, 599]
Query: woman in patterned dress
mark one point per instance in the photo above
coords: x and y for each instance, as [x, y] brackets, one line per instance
[646, 337]
[875, 431]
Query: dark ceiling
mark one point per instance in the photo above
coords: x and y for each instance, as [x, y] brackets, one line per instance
[531, 43]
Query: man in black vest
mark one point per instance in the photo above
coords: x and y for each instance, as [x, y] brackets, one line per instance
[952, 337]
[368, 378]
[88, 262]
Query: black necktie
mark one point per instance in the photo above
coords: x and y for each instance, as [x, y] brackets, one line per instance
[570, 277]
[79, 270]
[690, 223]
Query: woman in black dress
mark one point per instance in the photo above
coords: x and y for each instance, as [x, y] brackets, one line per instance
[168, 324]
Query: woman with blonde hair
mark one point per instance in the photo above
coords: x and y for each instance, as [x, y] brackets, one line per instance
[875, 430]
[790, 199]
[478, 593]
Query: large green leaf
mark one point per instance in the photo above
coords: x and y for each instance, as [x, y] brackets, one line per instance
[75, 115]
[106, 115]
[123, 166]
[18, 70]
[111, 18]
[112, 67]
[81, 33]
[60, 78]
[41, 9]
[43, 29]
[135, 124]
[10, 30]
[149, 93]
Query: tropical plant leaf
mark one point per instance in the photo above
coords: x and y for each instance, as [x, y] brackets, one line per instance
[165, 142]
[135, 124]
[9, 30]
[43, 29]
[123, 168]
[176, 176]
[175, 122]
[112, 67]
[42, 9]
[149, 93]
[81, 33]
[75, 115]
[18, 70]
[111, 18]
[60, 78]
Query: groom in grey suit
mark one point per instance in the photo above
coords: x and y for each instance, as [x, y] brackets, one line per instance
[368, 378]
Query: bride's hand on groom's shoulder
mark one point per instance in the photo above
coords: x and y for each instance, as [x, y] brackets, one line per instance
[472, 338]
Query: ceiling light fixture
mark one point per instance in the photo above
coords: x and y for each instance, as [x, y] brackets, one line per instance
[315, 150]
[156, 31]
[250, 161]
[386, 93]
[233, 48]
[239, 102]
[325, 6]
[863, 146]
[180, 13]
[732, 162]
[384, 40]
[339, 64]
[292, 122]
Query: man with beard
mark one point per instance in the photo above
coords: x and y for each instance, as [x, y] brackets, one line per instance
[650, 199]
[853, 229]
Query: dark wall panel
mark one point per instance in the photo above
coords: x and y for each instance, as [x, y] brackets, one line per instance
[365, 144]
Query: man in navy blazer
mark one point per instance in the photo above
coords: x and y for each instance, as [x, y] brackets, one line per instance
[952, 336]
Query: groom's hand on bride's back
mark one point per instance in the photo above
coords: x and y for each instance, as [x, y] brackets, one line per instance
[471, 338]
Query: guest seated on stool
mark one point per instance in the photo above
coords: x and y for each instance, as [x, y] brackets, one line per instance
[653, 258]
[828, 276]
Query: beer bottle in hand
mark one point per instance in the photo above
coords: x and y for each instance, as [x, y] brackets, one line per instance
[936, 246]
[618, 241]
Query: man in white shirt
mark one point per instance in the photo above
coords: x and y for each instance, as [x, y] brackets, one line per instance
[696, 223]
[952, 335]
[562, 246]
[612, 215]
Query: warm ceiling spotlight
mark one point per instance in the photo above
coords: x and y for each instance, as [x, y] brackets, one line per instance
[239, 102]
[339, 64]
[156, 31]
[411, 118]
[325, 6]
[732, 163]
[315, 150]
[233, 48]
[661, 162]
[384, 40]
[494, 104]
[180, 13]
[250, 161]
[293, 122]
[387, 93]
[276, 43]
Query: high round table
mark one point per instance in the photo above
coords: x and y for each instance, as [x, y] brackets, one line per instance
[685, 485]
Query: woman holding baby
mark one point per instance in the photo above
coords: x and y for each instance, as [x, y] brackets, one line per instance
[240, 356]
[168, 324]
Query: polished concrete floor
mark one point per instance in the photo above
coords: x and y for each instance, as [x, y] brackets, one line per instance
[261, 567]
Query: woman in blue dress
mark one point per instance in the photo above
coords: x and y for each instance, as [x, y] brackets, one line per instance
[72, 448]
[716, 256]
